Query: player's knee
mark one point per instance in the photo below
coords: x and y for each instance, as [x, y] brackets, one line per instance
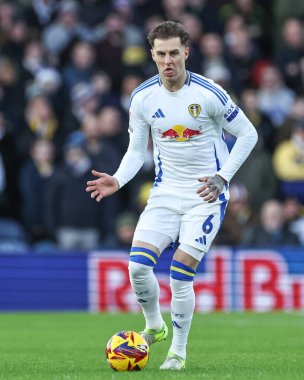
[138, 272]
[141, 263]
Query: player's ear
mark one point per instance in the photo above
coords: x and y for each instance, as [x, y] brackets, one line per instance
[187, 50]
[152, 54]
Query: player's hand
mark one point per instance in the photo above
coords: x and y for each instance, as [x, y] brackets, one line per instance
[102, 187]
[212, 188]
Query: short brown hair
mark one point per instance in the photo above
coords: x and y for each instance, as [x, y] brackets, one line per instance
[169, 29]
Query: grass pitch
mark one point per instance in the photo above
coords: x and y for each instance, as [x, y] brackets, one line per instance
[221, 346]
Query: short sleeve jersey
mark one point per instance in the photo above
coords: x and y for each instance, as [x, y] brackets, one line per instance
[186, 127]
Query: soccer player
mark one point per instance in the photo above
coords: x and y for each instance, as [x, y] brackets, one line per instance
[186, 114]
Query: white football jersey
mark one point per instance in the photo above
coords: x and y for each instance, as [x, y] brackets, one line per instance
[187, 131]
[186, 127]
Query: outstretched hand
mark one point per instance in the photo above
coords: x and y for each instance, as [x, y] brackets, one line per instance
[102, 187]
[212, 188]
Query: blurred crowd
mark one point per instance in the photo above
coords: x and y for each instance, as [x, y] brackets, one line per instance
[67, 70]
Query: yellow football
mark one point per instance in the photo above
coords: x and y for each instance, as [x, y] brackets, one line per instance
[127, 351]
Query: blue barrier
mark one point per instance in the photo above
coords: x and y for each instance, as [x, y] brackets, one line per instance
[44, 282]
[227, 279]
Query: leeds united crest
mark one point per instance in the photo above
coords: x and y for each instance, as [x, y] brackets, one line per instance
[194, 110]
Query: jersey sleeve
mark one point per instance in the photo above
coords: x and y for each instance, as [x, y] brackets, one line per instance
[231, 118]
[138, 142]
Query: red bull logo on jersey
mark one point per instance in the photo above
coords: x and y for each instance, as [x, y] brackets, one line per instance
[180, 133]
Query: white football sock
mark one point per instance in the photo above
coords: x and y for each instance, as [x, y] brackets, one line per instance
[146, 289]
[182, 308]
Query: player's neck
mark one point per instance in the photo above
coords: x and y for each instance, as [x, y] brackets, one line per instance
[174, 86]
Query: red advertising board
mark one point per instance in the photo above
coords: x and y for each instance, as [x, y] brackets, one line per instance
[227, 279]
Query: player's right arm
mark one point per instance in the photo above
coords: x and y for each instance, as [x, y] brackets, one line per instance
[132, 161]
[103, 186]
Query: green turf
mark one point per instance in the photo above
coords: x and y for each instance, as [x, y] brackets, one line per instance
[221, 346]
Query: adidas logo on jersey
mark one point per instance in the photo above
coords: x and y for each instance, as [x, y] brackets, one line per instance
[158, 114]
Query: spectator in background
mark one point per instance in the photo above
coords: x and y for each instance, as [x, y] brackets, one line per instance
[212, 50]
[271, 231]
[289, 55]
[34, 178]
[258, 177]
[214, 67]
[40, 13]
[115, 36]
[207, 13]
[16, 40]
[241, 55]
[296, 115]
[133, 35]
[33, 60]
[129, 83]
[233, 26]
[124, 230]
[238, 216]
[288, 163]
[77, 223]
[255, 18]
[275, 99]
[259, 119]
[112, 128]
[11, 93]
[103, 153]
[41, 123]
[142, 196]
[111, 41]
[134, 58]
[9, 171]
[173, 9]
[7, 15]
[301, 90]
[195, 28]
[144, 9]
[81, 67]
[102, 85]
[93, 11]
[282, 10]
[294, 217]
[84, 101]
[48, 83]
[58, 35]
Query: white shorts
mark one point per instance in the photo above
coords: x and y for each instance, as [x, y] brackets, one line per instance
[183, 216]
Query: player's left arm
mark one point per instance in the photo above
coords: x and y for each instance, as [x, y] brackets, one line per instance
[247, 137]
[231, 118]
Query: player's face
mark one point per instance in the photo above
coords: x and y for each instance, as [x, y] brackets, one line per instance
[170, 56]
